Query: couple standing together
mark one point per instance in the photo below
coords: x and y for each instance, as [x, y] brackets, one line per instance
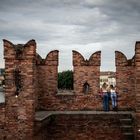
[109, 92]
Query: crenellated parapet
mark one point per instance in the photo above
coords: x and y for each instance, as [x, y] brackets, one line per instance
[94, 60]
[50, 60]
[78, 59]
[47, 71]
[19, 58]
[121, 59]
[39, 59]
[19, 51]
[86, 73]
[137, 88]
[125, 81]
[20, 86]
[31, 84]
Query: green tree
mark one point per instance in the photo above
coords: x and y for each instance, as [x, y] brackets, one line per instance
[65, 80]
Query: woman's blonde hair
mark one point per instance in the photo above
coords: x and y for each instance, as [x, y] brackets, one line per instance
[104, 85]
[112, 87]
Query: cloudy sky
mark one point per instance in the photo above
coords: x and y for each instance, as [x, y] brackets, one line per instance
[83, 25]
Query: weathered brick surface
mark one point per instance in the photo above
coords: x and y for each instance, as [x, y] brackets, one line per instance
[47, 72]
[72, 102]
[128, 83]
[2, 121]
[39, 91]
[125, 79]
[84, 71]
[19, 111]
[83, 74]
[81, 127]
[137, 88]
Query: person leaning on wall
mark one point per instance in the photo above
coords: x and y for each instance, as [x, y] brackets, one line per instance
[113, 97]
[105, 97]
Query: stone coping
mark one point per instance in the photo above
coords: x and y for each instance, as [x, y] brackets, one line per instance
[42, 115]
[65, 94]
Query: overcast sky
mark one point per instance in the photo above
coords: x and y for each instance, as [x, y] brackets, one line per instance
[83, 25]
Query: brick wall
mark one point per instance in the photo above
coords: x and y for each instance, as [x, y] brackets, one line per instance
[84, 71]
[128, 83]
[20, 81]
[82, 127]
[37, 87]
[2, 121]
[137, 89]
[47, 72]
[125, 80]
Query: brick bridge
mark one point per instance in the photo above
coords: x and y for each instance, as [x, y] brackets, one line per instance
[33, 110]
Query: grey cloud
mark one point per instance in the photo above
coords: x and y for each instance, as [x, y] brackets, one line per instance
[36, 5]
[73, 24]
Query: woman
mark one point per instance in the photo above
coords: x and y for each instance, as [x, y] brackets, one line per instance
[105, 97]
[113, 97]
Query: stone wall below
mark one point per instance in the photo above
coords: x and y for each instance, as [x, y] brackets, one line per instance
[2, 121]
[82, 126]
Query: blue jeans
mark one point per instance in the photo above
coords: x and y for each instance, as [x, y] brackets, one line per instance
[105, 102]
[114, 99]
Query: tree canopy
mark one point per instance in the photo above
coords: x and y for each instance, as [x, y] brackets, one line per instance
[65, 80]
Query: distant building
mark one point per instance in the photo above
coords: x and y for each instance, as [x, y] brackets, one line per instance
[2, 71]
[108, 77]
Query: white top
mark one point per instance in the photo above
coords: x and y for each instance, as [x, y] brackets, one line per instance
[112, 90]
[104, 90]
